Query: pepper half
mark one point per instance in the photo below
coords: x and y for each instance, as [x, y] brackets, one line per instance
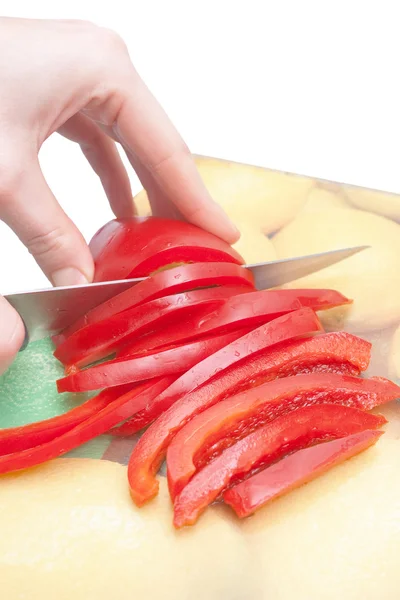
[136, 247]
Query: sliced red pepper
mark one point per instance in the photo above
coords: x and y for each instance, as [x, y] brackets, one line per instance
[212, 431]
[147, 458]
[327, 352]
[95, 425]
[135, 247]
[295, 470]
[128, 370]
[293, 431]
[300, 322]
[317, 300]
[251, 310]
[19, 438]
[102, 339]
[164, 283]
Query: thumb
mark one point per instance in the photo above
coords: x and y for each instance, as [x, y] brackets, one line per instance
[29, 207]
[12, 334]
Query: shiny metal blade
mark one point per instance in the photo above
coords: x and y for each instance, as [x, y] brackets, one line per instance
[278, 272]
[45, 312]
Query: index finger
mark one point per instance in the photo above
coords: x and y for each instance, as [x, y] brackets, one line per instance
[146, 132]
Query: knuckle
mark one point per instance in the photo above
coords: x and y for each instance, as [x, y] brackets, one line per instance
[175, 157]
[110, 40]
[50, 242]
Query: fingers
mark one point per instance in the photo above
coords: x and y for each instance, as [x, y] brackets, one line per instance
[12, 333]
[161, 206]
[102, 154]
[149, 136]
[28, 206]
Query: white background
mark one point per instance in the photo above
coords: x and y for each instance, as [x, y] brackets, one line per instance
[305, 86]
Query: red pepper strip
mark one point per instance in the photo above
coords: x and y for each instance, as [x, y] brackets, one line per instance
[146, 460]
[101, 339]
[318, 299]
[295, 470]
[301, 322]
[329, 352]
[95, 425]
[315, 299]
[136, 247]
[19, 438]
[248, 310]
[296, 430]
[165, 283]
[337, 352]
[212, 431]
[128, 370]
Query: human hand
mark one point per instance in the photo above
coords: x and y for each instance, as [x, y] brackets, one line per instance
[77, 79]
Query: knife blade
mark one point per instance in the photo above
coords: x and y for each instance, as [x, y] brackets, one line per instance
[48, 311]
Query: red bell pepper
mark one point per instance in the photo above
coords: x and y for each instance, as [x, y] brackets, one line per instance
[327, 352]
[295, 470]
[19, 438]
[317, 300]
[95, 425]
[102, 339]
[128, 370]
[251, 310]
[147, 458]
[297, 323]
[165, 283]
[136, 247]
[217, 428]
[298, 429]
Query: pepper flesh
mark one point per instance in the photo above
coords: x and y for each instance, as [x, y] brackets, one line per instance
[135, 247]
[178, 332]
[164, 283]
[295, 470]
[252, 310]
[296, 323]
[101, 339]
[337, 352]
[150, 450]
[128, 370]
[327, 352]
[296, 430]
[19, 438]
[95, 425]
[212, 431]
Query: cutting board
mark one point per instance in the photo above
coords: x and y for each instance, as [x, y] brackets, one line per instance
[28, 393]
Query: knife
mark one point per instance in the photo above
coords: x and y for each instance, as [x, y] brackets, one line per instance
[48, 311]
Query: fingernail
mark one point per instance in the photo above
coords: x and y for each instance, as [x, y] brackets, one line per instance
[68, 276]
